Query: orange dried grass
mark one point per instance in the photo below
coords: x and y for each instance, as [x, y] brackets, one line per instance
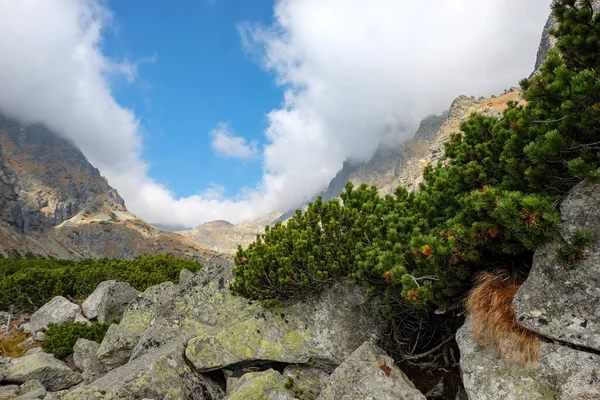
[493, 321]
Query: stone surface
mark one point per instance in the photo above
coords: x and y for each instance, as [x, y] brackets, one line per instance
[52, 373]
[84, 358]
[114, 301]
[120, 340]
[40, 336]
[9, 391]
[161, 374]
[327, 328]
[184, 275]
[32, 389]
[307, 381]
[262, 385]
[92, 303]
[369, 373]
[561, 373]
[59, 311]
[561, 300]
[34, 351]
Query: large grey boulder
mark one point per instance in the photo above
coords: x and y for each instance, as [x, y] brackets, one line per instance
[369, 373]
[203, 312]
[84, 357]
[115, 300]
[162, 374]
[561, 300]
[265, 385]
[52, 373]
[120, 340]
[92, 303]
[327, 328]
[561, 373]
[58, 311]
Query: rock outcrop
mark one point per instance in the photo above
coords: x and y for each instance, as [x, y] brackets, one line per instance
[224, 330]
[195, 340]
[562, 373]
[561, 300]
[369, 373]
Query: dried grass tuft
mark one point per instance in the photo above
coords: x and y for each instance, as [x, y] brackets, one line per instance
[493, 320]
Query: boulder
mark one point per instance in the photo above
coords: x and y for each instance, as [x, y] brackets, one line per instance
[203, 312]
[115, 300]
[34, 350]
[161, 374]
[185, 275]
[262, 385]
[562, 373]
[82, 320]
[119, 341]
[327, 328]
[560, 300]
[369, 373]
[58, 311]
[52, 373]
[32, 389]
[92, 303]
[84, 358]
[9, 392]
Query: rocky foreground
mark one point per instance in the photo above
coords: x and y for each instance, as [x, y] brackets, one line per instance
[196, 340]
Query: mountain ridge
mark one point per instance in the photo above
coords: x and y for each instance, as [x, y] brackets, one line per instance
[54, 203]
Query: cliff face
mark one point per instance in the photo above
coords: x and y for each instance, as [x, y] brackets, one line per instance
[53, 202]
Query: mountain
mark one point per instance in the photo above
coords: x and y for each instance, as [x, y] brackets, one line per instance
[170, 227]
[54, 203]
[224, 237]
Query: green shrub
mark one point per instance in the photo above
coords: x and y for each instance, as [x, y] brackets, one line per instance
[492, 203]
[60, 339]
[29, 284]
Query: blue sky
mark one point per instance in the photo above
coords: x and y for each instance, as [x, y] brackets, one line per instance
[194, 74]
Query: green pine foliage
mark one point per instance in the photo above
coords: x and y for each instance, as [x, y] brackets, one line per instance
[28, 284]
[576, 248]
[60, 339]
[493, 201]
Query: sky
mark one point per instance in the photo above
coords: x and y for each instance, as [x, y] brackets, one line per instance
[198, 110]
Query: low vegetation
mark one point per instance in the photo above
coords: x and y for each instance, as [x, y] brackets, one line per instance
[27, 284]
[60, 339]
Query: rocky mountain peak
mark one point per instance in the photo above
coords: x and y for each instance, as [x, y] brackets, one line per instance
[53, 202]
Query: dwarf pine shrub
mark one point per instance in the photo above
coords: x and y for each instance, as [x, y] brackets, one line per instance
[493, 202]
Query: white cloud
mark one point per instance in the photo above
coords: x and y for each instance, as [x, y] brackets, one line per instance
[352, 72]
[226, 144]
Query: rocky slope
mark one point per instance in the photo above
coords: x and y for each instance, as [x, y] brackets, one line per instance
[197, 341]
[54, 203]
